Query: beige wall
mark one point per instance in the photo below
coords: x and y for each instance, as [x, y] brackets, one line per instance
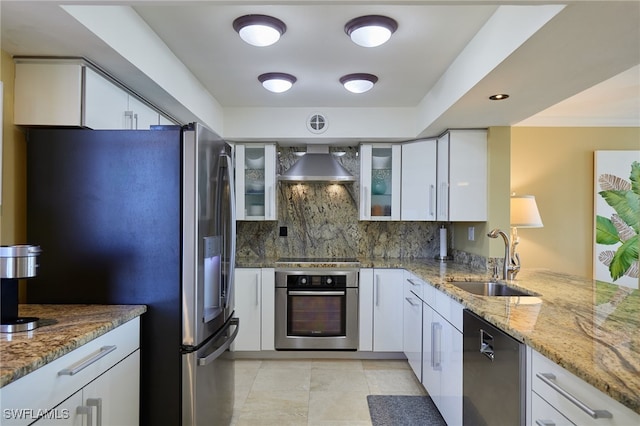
[556, 165]
[13, 229]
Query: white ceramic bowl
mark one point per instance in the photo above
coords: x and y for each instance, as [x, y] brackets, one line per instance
[254, 160]
[381, 162]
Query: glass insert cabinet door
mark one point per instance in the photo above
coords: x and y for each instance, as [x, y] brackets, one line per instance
[380, 182]
[255, 182]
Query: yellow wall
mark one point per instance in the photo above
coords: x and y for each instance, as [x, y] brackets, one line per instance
[556, 165]
[13, 228]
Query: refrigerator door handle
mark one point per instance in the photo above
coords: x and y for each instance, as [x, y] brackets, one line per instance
[232, 255]
[215, 354]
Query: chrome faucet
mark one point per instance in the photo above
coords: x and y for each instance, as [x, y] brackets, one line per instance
[511, 264]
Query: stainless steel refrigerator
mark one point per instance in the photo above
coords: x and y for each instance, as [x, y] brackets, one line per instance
[144, 217]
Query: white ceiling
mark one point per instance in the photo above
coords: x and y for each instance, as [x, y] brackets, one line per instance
[581, 46]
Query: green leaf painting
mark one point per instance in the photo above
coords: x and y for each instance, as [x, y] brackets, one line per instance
[623, 226]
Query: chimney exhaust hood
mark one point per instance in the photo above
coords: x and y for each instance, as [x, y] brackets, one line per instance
[317, 165]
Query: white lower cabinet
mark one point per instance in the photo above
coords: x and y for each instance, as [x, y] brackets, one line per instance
[380, 310]
[95, 384]
[572, 399]
[442, 354]
[387, 310]
[254, 305]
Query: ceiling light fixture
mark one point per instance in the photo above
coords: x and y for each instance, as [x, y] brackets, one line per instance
[499, 97]
[259, 30]
[358, 83]
[277, 82]
[370, 30]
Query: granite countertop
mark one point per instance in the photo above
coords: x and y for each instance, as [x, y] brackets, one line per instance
[63, 328]
[590, 328]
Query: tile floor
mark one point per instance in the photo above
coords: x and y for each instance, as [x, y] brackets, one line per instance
[316, 392]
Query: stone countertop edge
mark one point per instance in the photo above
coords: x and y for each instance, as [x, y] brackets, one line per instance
[62, 329]
[564, 323]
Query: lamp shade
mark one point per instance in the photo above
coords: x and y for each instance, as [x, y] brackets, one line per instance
[259, 30]
[524, 212]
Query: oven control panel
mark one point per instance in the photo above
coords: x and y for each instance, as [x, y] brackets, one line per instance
[316, 281]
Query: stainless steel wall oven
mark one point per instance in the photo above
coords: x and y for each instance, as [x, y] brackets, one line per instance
[316, 309]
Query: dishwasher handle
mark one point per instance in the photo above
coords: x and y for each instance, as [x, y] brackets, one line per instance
[486, 345]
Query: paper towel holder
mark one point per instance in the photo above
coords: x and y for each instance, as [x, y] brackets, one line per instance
[443, 255]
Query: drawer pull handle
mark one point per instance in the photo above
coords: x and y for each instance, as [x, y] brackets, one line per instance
[545, 423]
[410, 300]
[104, 351]
[412, 282]
[548, 378]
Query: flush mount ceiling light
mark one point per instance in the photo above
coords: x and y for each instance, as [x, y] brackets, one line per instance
[277, 82]
[499, 97]
[370, 30]
[259, 30]
[358, 83]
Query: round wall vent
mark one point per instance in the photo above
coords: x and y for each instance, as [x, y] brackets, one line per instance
[317, 123]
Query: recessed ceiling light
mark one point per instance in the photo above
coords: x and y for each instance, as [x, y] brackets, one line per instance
[358, 83]
[370, 30]
[499, 97]
[259, 30]
[277, 82]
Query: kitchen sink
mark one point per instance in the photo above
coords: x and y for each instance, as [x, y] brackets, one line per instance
[488, 288]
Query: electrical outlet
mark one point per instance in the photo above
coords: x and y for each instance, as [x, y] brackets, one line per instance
[472, 233]
[283, 231]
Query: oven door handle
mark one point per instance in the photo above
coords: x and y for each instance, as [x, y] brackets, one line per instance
[317, 293]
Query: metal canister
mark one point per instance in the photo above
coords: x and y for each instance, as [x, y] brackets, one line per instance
[19, 261]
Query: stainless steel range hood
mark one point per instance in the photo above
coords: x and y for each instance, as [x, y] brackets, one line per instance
[317, 165]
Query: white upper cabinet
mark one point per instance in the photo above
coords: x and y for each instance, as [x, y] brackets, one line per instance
[256, 182]
[70, 93]
[380, 167]
[418, 198]
[462, 176]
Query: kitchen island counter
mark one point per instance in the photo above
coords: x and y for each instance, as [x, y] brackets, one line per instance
[590, 328]
[63, 328]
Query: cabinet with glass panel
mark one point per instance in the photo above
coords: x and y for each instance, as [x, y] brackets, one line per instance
[380, 182]
[256, 181]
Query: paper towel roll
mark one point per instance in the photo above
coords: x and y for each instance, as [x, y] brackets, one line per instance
[443, 242]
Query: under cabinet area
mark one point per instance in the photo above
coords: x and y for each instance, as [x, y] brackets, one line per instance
[71, 93]
[559, 397]
[256, 191]
[254, 305]
[100, 381]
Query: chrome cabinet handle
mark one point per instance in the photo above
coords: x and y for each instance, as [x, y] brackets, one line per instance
[436, 342]
[408, 299]
[377, 292]
[431, 199]
[257, 290]
[367, 209]
[548, 378]
[545, 423]
[102, 352]
[413, 283]
[83, 410]
[96, 402]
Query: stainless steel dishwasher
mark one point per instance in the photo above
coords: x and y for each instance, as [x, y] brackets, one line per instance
[493, 375]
